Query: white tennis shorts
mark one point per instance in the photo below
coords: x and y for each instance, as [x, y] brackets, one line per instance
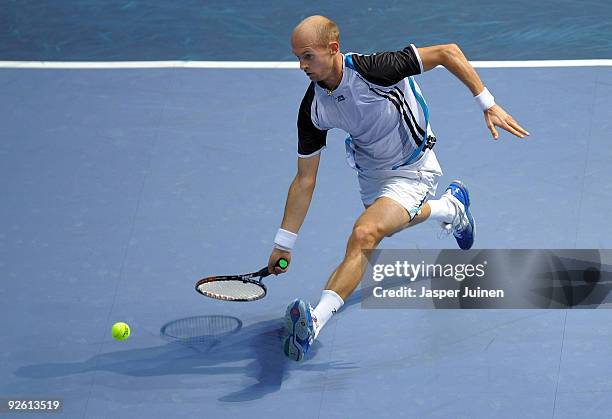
[411, 187]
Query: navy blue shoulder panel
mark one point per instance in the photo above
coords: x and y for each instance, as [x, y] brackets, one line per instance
[310, 138]
[385, 68]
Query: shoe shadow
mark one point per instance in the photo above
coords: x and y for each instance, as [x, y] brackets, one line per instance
[206, 355]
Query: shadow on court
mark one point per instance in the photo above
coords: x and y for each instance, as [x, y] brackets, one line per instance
[260, 343]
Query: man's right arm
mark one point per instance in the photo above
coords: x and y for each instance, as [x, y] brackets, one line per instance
[297, 204]
[311, 141]
[300, 193]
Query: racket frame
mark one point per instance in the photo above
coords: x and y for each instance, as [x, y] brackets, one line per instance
[262, 273]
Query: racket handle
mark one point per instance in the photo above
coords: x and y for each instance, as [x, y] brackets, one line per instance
[281, 263]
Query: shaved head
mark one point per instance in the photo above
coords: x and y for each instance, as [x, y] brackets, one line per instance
[315, 41]
[319, 30]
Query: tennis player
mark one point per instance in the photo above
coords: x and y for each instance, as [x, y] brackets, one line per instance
[390, 142]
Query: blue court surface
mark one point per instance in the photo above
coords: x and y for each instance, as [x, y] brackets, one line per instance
[121, 187]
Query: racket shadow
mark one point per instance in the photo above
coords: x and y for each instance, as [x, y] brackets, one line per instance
[261, 343]
[206, 355]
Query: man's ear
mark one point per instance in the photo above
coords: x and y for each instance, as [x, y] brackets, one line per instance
[333, 47]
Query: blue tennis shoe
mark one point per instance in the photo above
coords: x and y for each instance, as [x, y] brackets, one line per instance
[463, 226]
[299, 330]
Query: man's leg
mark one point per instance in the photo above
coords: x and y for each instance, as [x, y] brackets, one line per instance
[383, 218]
[423, 215]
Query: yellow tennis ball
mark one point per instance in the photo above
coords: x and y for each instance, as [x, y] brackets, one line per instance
[121, 331]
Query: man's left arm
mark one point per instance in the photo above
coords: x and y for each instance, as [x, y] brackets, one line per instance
[451, 57]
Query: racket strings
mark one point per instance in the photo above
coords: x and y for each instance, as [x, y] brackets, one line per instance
[232, 290]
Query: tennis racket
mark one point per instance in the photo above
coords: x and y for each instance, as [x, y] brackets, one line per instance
[247, 287]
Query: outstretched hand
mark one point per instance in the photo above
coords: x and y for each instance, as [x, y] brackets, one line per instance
[497, 117]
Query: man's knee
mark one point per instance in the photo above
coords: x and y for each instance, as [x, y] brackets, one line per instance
[366, 236]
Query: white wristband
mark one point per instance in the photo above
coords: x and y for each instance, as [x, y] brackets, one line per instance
[284, 239]
[485, 100]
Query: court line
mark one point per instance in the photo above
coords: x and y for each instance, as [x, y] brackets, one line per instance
[272, 65]
[559, 366]
[126, 252]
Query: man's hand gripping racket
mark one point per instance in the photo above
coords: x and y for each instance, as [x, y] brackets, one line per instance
[246, 287]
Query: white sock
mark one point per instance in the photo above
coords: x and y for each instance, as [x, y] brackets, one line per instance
[442, 210]
[329, 303]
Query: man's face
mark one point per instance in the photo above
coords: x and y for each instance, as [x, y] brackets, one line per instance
[315, 60]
